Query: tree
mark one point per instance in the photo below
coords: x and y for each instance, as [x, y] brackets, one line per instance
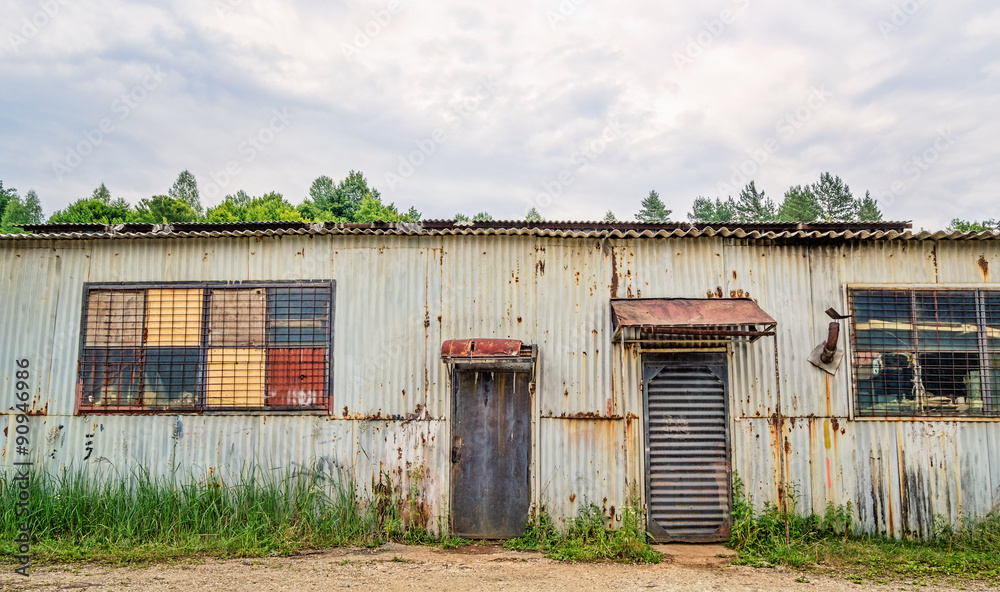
[482, 217]
[185, 188]
[240, 207]
[101, 194]
[94, 211]
[705, 210]
[461, 218]
[533, 216]
[754, 206]
[653, 210]
[371, 209]
[834, 197]
[799, 205]
[609, 217]
[958, 225]
[6, 195]
[19, 212]
[413, 215]
[163, 209]
[868, 209]
[344, 201]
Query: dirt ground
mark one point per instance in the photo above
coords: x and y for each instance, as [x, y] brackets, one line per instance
[400, 567]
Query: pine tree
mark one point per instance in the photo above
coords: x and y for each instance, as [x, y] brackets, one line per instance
[799, 205]
[482, 217]
[609, 216]
[653, 210]
[835, 200]
[868, 209]
[185, 188]
[706, 211]
[101, 194]
[533, 216]
[959, 225]
[754, 206]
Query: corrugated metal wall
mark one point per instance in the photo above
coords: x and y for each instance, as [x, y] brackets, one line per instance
[399, 297]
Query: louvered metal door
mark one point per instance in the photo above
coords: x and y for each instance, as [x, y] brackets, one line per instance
[687, 453]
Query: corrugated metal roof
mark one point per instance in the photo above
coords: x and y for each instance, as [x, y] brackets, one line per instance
[820, 232]
[688, 312]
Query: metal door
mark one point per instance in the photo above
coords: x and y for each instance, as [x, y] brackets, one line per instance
[491, 436]
[687, 452]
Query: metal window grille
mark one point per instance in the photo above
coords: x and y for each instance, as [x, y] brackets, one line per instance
[242, 347]
[925, 352]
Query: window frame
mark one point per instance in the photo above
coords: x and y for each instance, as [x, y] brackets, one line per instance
[203, 347]
[855, 411]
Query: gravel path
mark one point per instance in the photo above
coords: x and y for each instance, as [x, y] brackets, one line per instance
[399, 567]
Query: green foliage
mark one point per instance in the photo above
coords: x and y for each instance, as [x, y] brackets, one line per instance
[966, 551]
[163, 209]
[101, 193]
[609, 217]
[6, 194]
[241, 207]
[589, 538]
[185, 188]
[705, 210]
[350, 200]
[139, 517]
[19, 211]
[754, 206]
[461, 218]
[482, 217]
[94, 211]
[799, 205]
[533, 216]
[653, 210]
[836, 203]
[958, 225]
[868, 209]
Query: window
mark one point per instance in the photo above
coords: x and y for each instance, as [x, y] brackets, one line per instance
[205, 347]
[926, 352]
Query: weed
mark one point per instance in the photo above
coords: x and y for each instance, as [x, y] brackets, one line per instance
[965, 551]
[589, 538]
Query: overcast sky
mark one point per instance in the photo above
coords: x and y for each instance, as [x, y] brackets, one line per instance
[572, 106]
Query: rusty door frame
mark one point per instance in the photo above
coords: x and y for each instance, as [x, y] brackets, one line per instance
[686, 358]
[485, 365]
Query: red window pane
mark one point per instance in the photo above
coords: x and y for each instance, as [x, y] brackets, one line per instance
[296, 377]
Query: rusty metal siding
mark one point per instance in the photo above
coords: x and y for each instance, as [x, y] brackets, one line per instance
[399, 297]
[582, 462]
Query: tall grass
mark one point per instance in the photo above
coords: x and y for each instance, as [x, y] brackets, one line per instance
[970, 550]
[74, 515]
[588, 537]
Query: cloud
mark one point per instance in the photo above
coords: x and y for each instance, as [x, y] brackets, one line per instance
[691, 90]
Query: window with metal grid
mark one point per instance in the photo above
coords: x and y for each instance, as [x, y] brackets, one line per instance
[925, 352]
[206, 347]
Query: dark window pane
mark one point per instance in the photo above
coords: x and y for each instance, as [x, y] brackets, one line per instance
[946, 321]
[172, 377]
[882, 320]
[111, 377]
[298, 315]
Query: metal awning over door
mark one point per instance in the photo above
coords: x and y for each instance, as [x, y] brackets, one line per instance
[687, 320]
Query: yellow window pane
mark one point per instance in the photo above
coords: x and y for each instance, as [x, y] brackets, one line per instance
[236, 317]
[173, 317]
[235, 378]
[114, 317]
